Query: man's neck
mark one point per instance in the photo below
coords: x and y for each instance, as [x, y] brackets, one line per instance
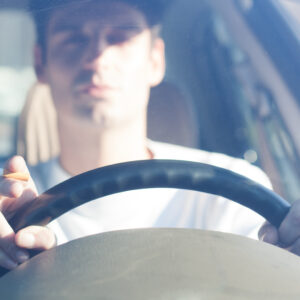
[83, 149]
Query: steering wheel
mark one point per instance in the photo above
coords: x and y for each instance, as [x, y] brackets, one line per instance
[155, 263]
[152, 174]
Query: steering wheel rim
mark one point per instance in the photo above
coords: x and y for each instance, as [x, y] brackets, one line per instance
[152, 174]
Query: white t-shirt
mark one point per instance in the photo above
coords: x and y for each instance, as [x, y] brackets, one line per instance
[157, 207]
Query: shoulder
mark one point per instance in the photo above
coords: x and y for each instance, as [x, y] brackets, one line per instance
[237, 165]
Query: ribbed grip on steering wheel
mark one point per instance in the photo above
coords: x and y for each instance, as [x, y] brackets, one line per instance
[152, 174]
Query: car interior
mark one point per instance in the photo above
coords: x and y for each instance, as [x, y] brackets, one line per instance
[229, 88]
[250, 95]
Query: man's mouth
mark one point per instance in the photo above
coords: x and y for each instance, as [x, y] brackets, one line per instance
[96, 91]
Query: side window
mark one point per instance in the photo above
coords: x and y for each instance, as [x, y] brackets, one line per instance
[237, 89]
[242, 103]
[16, 73]
[224, 107]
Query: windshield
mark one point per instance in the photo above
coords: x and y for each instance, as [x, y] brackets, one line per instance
[230, 84]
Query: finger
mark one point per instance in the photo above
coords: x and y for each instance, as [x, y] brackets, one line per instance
[11, 188]
[269, 234]
[15, 193]
[289, 230]
[8, 248]
[36, 237]
[15, 164]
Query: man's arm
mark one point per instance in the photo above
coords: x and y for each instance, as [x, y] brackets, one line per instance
[287, 236]
[14, 194]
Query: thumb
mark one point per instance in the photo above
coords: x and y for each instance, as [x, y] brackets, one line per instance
[269, 234]
[35, 237]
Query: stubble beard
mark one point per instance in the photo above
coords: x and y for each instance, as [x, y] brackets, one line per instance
[97, 117]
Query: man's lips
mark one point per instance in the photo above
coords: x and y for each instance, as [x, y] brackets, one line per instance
[95, 90]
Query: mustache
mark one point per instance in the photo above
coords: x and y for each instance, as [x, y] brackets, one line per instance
[87, 77]
[83, 77]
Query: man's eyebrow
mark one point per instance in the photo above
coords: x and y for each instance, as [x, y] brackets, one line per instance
[129, 24]
[128, 27]
[58, 28]
[65, 27]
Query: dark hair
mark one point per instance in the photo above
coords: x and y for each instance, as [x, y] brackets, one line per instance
[42, 10]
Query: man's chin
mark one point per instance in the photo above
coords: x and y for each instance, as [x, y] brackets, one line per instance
[93, 118]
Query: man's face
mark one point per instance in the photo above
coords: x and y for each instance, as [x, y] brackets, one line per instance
[101, 62]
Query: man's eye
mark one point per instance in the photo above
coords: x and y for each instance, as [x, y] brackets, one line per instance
[75, 40]
[119, 37]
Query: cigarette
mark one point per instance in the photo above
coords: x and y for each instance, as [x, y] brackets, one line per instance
[18, 176]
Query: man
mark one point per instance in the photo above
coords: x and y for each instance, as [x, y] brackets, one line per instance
[100, 59]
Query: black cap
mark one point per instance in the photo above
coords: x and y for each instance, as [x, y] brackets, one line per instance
[153, 9]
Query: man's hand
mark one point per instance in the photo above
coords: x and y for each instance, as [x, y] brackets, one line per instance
[14, 194]
[288, 234]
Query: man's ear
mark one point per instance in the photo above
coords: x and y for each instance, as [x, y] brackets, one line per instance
[158, 63]
[39, 64]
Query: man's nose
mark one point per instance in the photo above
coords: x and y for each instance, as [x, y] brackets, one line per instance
[99, 55]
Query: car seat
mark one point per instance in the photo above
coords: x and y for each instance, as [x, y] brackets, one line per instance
[170, 119]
